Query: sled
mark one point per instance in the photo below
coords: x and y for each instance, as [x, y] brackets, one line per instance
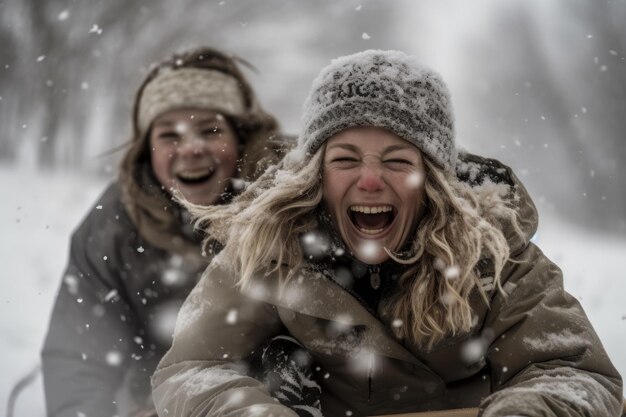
[460, 412]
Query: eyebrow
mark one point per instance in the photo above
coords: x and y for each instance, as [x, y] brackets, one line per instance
[354, 148]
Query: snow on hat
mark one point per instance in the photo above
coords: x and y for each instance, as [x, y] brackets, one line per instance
[387, 89]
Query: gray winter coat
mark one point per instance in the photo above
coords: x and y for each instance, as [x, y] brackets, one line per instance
[113, 316]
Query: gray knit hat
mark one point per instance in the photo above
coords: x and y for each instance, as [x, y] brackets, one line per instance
[387, 89]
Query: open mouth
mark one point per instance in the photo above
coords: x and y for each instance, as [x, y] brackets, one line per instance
[195, 176]
[372, 220]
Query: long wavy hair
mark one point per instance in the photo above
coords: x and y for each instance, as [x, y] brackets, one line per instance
[461, 227]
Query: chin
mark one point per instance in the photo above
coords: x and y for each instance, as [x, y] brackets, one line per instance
[368, 251]
[204, 199]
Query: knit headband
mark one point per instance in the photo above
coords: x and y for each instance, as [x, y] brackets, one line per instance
[189, 88]
[387, 89]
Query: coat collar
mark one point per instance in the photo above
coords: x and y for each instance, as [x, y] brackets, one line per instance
[313, 294]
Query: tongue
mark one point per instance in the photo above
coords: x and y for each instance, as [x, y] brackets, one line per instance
[371, 221]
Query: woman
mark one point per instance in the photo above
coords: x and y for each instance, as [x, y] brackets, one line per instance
[404, 269]
[199, 130]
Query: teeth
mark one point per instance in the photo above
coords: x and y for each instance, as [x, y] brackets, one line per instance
[371, 231]
[195, 174]
[371, 209]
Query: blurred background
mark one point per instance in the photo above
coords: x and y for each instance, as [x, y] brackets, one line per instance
[538, 84]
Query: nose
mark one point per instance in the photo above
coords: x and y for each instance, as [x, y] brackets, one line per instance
[191, 146]
[370, 179]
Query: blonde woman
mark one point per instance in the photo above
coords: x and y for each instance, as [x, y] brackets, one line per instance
[404, 268]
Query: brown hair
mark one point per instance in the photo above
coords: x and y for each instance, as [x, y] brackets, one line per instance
[149, 206]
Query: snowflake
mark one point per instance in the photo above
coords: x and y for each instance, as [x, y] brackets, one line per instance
[231, 317]
[114, 358]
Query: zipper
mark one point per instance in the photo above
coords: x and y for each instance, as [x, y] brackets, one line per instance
[369, 378]
[374, 276]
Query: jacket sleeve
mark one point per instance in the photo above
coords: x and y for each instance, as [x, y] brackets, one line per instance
[89, 340]
[546, 359]
[204, 373]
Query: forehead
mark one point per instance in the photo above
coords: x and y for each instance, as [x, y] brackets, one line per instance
[369, 139]
[188, 115]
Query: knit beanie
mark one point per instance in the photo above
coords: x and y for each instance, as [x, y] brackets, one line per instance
[205, 89]
[387, 89]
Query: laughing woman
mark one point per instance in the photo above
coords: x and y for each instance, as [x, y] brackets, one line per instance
[403, 267]
[198, 129]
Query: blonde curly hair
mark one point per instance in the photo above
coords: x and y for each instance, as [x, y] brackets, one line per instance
[460, 228]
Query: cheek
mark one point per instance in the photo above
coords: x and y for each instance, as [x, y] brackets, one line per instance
[410, 188]
[416, 205]
[160, 159]
[226, 150]
[161, 154]
[332, 187]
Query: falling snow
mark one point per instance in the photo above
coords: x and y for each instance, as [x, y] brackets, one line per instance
[114, 358]
[238, 184]
[370, 250]
[452, 272]
[95, 29]
[110, 295]
[72, 284]
[314, 244]
[473, 351]
[415, 180]
[231, 317]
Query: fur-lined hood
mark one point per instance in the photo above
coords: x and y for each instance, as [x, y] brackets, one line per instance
[491, 180]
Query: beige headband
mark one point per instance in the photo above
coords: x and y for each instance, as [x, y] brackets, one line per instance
[189, 88]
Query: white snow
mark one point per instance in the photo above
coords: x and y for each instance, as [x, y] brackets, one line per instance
[550, 341]
[231, 317]
[370, 249]
[40, 209]
[415, 180]
[473, 351]
[114, 358]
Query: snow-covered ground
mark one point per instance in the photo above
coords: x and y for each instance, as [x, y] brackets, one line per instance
[39, 210]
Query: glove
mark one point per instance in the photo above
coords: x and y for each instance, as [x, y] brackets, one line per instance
[286, 369]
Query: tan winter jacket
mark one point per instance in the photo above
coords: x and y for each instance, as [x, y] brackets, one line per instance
[532, 353]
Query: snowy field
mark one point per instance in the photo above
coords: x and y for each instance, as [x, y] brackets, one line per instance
[39, 210]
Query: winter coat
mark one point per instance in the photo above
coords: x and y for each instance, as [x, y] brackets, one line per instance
[114, 313]
[130, 269]
[532, 352]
